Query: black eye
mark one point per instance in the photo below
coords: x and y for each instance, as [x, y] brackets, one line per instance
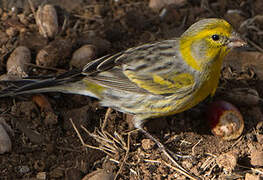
[215, 37]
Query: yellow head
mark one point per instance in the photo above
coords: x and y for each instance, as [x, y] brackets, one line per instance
[207, 41]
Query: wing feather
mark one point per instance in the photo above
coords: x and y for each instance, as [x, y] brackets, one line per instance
[151, 68]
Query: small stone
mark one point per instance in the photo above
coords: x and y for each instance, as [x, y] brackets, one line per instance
[42, 175]
[156, 5]
[17, 63]
[227, 161]
[251, 177]
[100, 174]
[83, 55]
[23, 169]
[4, 16]
[256, 157]
[6, 126]
[5, 142]
[11, 32]
[47, 20]
[147, 144]
[188, 164]
[55, 53]
[23, 19]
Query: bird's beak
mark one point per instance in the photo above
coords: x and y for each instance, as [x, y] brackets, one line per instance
[235, 41]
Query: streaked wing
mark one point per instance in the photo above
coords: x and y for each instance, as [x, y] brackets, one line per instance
[150, 68]
[114, 78]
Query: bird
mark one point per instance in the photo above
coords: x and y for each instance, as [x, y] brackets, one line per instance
[152, 80]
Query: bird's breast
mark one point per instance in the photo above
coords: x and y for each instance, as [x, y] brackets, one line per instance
[206, 85]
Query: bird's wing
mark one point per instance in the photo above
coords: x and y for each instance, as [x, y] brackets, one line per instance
[153, 68]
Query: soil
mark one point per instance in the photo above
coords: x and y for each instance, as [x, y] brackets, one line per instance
[46, 146]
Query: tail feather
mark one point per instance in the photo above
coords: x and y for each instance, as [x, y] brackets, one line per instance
[27, 87]
[53, 84]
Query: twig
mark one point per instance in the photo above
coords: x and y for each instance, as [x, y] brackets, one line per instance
[106, 149]
[252, 169]
[114, 160]
[125, 157]
[178, 167]
[238, 140]
[207, 163]
[108, 112]
[65, 22]
[32, 7]
[152, 161]
[170, 166]
[255, 45]
[193, 148]
[83, 143]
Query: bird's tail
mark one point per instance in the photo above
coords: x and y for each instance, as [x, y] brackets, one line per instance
[70, 82]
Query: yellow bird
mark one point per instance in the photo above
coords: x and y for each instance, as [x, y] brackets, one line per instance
[150, 80]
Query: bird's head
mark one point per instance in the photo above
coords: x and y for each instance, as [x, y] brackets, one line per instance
[208, 40]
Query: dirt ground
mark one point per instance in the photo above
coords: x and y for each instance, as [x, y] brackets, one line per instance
[44, 142]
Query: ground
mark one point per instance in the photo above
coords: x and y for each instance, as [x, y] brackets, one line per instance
[46, 145]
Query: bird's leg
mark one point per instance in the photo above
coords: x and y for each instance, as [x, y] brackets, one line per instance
[168, 155]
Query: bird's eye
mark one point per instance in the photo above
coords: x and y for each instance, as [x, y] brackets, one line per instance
[215, 37]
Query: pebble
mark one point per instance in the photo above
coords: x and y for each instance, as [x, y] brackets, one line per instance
[156, 5]
[11, 32]
[257, 157]
[227, 161]
[41, 175]
[99, 174]
[23, 169]
[17, 63]
[83, 55]
[55, 53]
[47, 21]
[147, 144]
[251, 177]
[5, 142]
